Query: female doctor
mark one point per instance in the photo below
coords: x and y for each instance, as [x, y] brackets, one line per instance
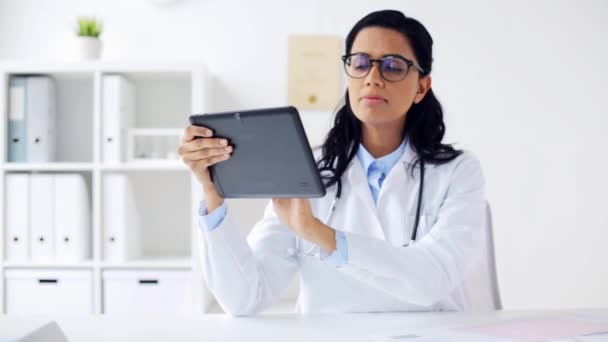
[399, 227]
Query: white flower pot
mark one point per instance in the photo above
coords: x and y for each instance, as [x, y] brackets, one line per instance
[89, 47]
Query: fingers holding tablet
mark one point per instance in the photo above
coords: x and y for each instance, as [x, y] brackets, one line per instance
[199, 150]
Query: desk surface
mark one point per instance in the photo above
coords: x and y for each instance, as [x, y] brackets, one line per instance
[275, 327]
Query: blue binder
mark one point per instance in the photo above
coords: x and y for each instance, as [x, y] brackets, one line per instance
[17, 143]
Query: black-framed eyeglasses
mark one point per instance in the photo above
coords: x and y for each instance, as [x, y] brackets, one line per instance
[392, 68]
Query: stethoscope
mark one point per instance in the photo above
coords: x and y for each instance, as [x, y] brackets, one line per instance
[334, 203]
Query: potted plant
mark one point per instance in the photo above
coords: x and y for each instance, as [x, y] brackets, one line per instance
[88, 31]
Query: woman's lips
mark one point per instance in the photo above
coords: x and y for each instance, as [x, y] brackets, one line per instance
[373, 99]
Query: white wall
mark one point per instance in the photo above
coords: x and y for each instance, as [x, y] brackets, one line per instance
[523, 85]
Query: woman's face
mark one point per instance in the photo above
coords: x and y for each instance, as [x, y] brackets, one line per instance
[374, 100]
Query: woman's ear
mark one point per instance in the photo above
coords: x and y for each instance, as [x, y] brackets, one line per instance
[424, 84]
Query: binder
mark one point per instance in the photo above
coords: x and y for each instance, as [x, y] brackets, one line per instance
[16, 120]
[40, 119]
[120, 219]
[72, 218]
[17, 217]
[118, 113]
[42, 192]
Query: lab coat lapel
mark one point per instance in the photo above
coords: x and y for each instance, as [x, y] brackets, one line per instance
[398, 196]
[399, 180]
[357, 181]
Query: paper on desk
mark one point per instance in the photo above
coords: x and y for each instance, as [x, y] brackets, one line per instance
[33, 332]
[435, 337]
[544, 329]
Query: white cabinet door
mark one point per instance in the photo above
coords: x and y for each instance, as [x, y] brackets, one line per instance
[49, 292]
[147, 292]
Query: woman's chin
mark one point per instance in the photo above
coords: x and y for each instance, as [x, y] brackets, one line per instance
[377, 118]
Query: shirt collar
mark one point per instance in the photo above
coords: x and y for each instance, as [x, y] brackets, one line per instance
[385, 163]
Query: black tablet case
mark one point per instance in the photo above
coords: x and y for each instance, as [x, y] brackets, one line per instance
[272, 156]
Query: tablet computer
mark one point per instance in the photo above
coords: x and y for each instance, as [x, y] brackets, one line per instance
[271, 158]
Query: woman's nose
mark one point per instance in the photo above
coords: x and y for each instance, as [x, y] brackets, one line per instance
[374, 76]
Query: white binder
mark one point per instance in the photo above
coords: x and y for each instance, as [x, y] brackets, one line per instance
[17, 140]
[72, 218]
[40, 119]
[17, 217]
[42, 242]
[118, 113]
[120, 219]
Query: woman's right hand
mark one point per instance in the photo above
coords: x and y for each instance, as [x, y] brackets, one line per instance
[199, 150]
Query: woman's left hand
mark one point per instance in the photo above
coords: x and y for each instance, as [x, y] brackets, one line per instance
[297, 214]
[294, 212]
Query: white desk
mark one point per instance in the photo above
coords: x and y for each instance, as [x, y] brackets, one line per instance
[271, 327]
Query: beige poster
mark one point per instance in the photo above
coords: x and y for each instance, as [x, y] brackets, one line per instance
[315, 71]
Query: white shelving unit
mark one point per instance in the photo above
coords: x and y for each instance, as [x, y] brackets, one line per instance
[165, 192]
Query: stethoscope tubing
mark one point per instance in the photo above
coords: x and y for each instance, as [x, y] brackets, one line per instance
[418, 208]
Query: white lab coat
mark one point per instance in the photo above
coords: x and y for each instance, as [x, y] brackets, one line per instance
[248, 274]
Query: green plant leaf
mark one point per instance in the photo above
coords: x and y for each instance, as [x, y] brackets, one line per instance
[89, 27]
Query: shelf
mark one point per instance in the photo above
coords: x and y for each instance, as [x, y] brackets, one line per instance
[81, 167]
[48, 166]
[161, 195]
[151, 67]
[54, 264]
[157, 131]
[147, 263]
[151, 263]
[147, 166]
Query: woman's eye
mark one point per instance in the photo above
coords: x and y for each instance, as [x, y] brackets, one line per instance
[393, 67]
[360, 65]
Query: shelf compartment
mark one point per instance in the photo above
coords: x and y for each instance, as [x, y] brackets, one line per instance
[146, 215]
[43, 291]
[149, 292]
[50, 218]
[72, 125]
